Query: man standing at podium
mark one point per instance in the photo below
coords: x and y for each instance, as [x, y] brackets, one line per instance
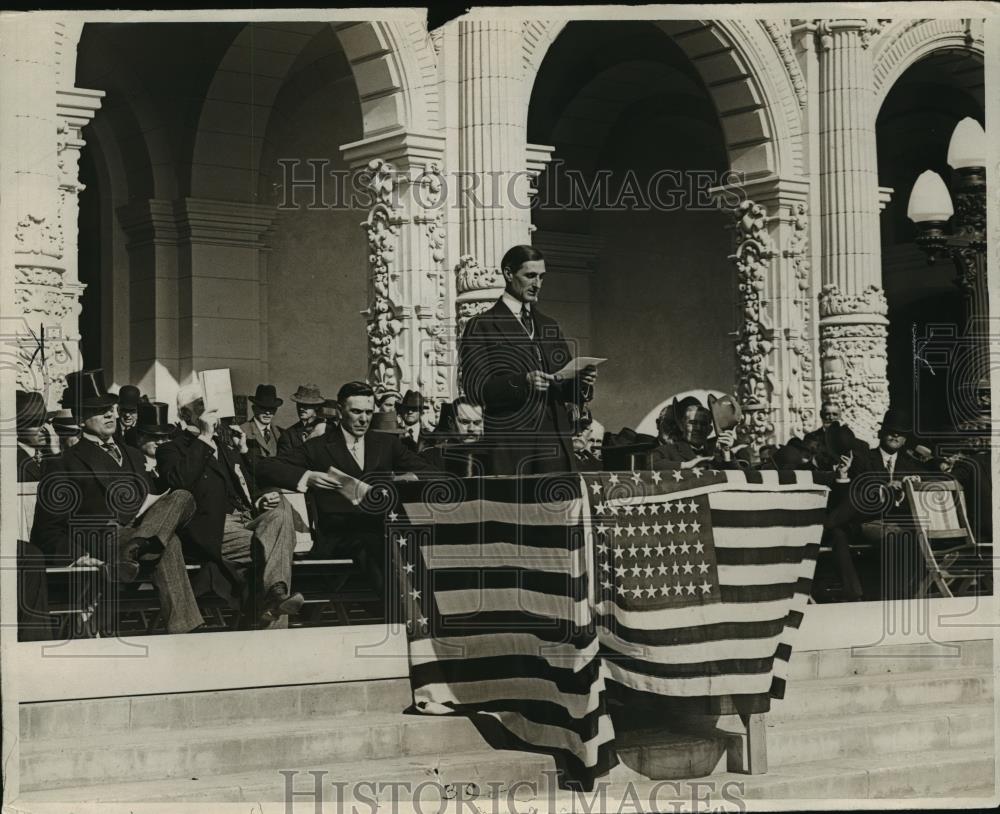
[509, 356]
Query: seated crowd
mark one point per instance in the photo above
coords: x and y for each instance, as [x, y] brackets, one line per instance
[214, 493]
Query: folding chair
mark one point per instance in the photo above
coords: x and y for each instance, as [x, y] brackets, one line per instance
[951, 555]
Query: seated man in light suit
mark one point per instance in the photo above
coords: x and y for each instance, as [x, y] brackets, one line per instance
[338, 468]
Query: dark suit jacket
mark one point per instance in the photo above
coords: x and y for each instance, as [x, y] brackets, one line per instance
[187, 463]
[258, 447]
[522, 425]
[292, 436]
[384, 455]
[84, 489]
[28, 469]
[456, 458]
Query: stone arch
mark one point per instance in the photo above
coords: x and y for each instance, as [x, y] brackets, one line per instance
[751, 85]
[907, 42]
[393, 69]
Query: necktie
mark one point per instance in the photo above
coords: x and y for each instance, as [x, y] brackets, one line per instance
[267, 435]
[891, 465]
[111, 448]
[526, 320]
[356, 454]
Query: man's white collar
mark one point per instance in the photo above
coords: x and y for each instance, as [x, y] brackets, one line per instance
[514, 304]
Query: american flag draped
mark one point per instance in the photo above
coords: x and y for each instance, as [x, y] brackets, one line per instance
[528, 598]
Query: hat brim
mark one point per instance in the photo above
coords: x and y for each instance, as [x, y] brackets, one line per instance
[389, 430]
[92, 402]
[268, 403]
[309, 402]
[155, 429]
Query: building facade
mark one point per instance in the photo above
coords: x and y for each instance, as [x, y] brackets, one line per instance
[301, 201]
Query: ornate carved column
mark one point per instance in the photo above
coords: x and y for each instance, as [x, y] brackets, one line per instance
[493, 181]
[43, 118]
[853, 323]
[776, 377]
[409, 322]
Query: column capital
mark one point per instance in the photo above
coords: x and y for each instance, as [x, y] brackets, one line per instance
[827, 30]
[404, 149]
[200, 220]
[769, 190]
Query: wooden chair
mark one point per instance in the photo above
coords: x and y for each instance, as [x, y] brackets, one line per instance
[953, 560]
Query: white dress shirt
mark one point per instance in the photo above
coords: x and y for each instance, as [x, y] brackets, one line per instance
[515, 306]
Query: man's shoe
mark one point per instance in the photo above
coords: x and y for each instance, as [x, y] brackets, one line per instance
[127, 568]
[278, 602]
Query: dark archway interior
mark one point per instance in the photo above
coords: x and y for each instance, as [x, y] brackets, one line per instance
[636, 132]
[913, 129]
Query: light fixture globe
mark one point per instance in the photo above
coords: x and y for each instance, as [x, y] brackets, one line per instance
[967, 147]
[930, 201]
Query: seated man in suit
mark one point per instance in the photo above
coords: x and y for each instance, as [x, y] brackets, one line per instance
[308, 404]
[233, 522]
[411, 411]
[128, 413]
[868, 503]
[33, 443]
[89, 503]
[152, 429]
[690, 445]
[261, 432]
[338, 469]
[459, 451]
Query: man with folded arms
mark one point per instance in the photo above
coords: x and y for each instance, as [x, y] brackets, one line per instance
[312, 422]
[88, 508]
[339, 468]
[233, 521]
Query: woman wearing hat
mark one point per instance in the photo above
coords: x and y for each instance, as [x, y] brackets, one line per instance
[261, 431]
[308, 404]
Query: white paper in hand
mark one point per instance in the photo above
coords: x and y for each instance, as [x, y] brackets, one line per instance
[574, 367]
[218, 387]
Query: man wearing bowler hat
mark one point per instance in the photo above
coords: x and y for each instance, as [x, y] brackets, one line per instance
[90, 501]
[411, 410]
[152, 429]
[32, 438]
[308, 404]
[128, 411]
[261, 431]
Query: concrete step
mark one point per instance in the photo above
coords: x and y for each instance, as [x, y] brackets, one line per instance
[936, 773]
[147, 755]
[813, 738]
[856, 694]
[951, 773]
[476, 774]
[67, 719]
[923, 657]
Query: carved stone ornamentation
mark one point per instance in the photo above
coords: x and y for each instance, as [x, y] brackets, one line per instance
[833, 302]
[35, 235]
[384, 326]
[782, 40]
[854, 363]
[802, 414]
[437, 327]
[754, 342]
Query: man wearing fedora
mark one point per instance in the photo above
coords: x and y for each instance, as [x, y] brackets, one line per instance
[90, 508]
[338, 470]
[32, 437]
[308, 404]
[411, 410]
[261, 432]
[872, 505]
[128, 411]
[66, 427]
[234, 522]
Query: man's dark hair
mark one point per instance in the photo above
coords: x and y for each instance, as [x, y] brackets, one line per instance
[354, 389]
[466, 401]
[518, 256]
